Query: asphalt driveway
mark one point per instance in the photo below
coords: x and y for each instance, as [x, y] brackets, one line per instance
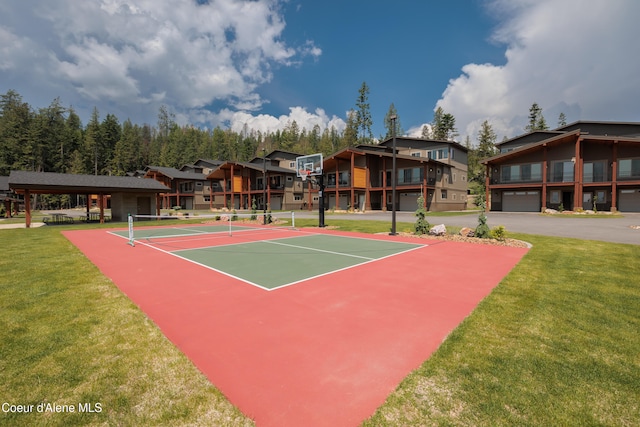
[617, 229]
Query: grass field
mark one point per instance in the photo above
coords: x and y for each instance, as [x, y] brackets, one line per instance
[554, 344]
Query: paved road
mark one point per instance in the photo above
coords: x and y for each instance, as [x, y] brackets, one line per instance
[614, 229]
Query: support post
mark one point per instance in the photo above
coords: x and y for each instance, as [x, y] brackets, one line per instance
[321, 201]
[27, 208]
[393, 178]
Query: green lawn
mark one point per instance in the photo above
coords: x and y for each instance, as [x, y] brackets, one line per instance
[556, 343]
[68, 336]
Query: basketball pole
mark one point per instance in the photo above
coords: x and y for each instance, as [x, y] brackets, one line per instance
[321, 201]
[394, 177]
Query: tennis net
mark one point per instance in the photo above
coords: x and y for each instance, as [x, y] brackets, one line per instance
[228, 223]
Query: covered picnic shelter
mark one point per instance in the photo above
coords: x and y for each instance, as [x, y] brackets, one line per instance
[128, 194]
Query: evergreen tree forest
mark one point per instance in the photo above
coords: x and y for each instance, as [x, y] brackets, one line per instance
[53, 139]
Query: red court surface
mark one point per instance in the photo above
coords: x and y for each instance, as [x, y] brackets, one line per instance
[324, 352]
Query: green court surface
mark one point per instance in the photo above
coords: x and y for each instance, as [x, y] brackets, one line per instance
[271, 264]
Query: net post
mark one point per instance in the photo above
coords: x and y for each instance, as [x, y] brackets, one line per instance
[130, 223]
[293, 219]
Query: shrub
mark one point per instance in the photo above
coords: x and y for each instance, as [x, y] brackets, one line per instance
[422, 225]
[253, 209]
[499, 233]
[482, 230]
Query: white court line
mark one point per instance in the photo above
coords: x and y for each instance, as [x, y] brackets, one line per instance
[368, 260]
[342, 269]
[273, 242]
[206, 266]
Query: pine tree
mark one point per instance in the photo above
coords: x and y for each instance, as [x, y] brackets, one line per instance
[15, 121]
[388, 125]
[363, 118]
[536, 119]
[485, 149]
[562, 120]
[443, 126]
[350, 136]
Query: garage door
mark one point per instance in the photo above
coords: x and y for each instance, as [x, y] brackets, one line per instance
[409, 201]
[629, 200]
[521, 201]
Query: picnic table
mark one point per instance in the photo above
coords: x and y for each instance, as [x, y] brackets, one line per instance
[58, 218]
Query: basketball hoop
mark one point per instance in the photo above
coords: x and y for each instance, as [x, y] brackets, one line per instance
[305, 174]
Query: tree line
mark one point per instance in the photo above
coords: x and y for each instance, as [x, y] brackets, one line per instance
[53, 139]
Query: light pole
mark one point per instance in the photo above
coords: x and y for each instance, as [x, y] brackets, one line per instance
[393, 177]
[264, 186]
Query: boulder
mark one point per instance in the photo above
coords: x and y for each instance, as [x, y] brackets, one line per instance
[438, 230]
[467, 232]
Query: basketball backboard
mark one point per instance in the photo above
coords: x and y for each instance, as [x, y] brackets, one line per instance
[310, 165]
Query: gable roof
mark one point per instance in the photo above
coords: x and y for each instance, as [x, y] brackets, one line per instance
[626, 129]
[400, 139]
[218, 173]
[49, 182]
[174, 173]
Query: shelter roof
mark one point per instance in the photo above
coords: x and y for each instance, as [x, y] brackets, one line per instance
[49, 182]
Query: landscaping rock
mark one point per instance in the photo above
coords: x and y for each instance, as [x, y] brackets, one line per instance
[438, 230]
[467, 232]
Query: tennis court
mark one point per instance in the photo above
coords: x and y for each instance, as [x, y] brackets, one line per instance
[278, 256]
[324, 352]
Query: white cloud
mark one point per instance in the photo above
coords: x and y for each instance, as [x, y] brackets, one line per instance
[266, 123]
[568, 56]
[139, 54]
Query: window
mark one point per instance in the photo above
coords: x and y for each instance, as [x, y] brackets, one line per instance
[292, 165]
[562, 171]
[275, 182]
[595, 171]
[417, 154]
[343, 179]
[601, 196]
[629, 168]
[554, 196]
[521, 173]
[440, 154]
[186, 187]
[297, 197]
[443, 194]
[410, 176]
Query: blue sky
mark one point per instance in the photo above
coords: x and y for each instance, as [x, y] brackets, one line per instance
[405, 51]
[264, 63]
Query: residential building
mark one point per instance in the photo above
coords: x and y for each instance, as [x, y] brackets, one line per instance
[187, 187]
[584, 165]
[359, 177]
[271, 179]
